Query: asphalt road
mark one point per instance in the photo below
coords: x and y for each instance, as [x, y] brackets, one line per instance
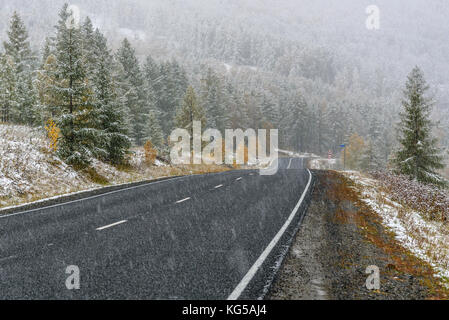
[214, 236]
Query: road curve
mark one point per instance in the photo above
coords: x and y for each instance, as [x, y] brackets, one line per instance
[196, 237]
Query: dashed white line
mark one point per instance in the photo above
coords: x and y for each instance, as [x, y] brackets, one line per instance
[183, 200]
[252, 272]
[238, 179]
[219, 186]
[8, 258]
[111, 225]
[290, 163]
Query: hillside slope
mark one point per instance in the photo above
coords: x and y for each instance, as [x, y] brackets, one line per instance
[30, 172]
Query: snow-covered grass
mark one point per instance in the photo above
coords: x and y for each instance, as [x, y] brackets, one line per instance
[427, 239]
[30, 172]
[429, 200]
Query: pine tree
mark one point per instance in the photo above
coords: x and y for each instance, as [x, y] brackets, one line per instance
[270, 110]
[136, 98]
[18, 45]
[418, 157]
[375, 145]
[108, 111]
[79, 137]
[47, 50]
[154, 131]
[8, 89]
[89, 50]
[212, 100]
[190, 111]
[170, 88]
[236, 117]
[18, 48]
[297, 122]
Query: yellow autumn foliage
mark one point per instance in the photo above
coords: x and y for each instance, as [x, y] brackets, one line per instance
[53, 133]
[150, 153]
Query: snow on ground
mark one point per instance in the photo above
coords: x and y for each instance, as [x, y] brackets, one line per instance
[27, 168]
[426, 239]
[29, 172]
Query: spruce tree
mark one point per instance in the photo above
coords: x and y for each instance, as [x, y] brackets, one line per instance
[18, 48]
[190, 111]
[212, 99]
[154, 131]
[108, 111]
[170, 88]
[8, 88]
[270, 111]
[90, 52]
[18, 45]
[79, 137]
[46, 51]
[418, 157]
[137, 101]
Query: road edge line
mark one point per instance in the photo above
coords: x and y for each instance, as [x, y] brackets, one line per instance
[256, 266]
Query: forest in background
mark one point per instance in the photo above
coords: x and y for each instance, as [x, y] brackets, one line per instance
[295, 66]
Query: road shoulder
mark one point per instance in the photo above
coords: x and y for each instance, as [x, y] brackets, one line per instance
[338, 239]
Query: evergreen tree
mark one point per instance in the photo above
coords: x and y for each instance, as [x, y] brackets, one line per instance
[79, 138]
[108, 111]
[418, 157]
[375, 144]
[18, 45]
[89, 48]
[136, 98]
[190, 111]
[270, 111]
[47, 50]
[8, 89]
[18, 48]
[212, 100]
[170, 88]
[297, 122]
[154, 131]
[236, 117]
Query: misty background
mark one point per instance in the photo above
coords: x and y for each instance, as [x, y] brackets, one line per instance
[347, 78]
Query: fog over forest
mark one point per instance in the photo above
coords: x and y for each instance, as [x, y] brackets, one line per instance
[323, 71]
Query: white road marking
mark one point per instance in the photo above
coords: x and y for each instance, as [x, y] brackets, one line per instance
[8, 258]
[2, 216]
[111, 225]
[238, 179]
[290, 163]
[183, 200]
[252, 272]
[219, 186]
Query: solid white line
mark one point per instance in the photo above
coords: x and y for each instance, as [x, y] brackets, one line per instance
[252, 272]
[219, 186]
[290, 163]
[180, 201]
[111, 225]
